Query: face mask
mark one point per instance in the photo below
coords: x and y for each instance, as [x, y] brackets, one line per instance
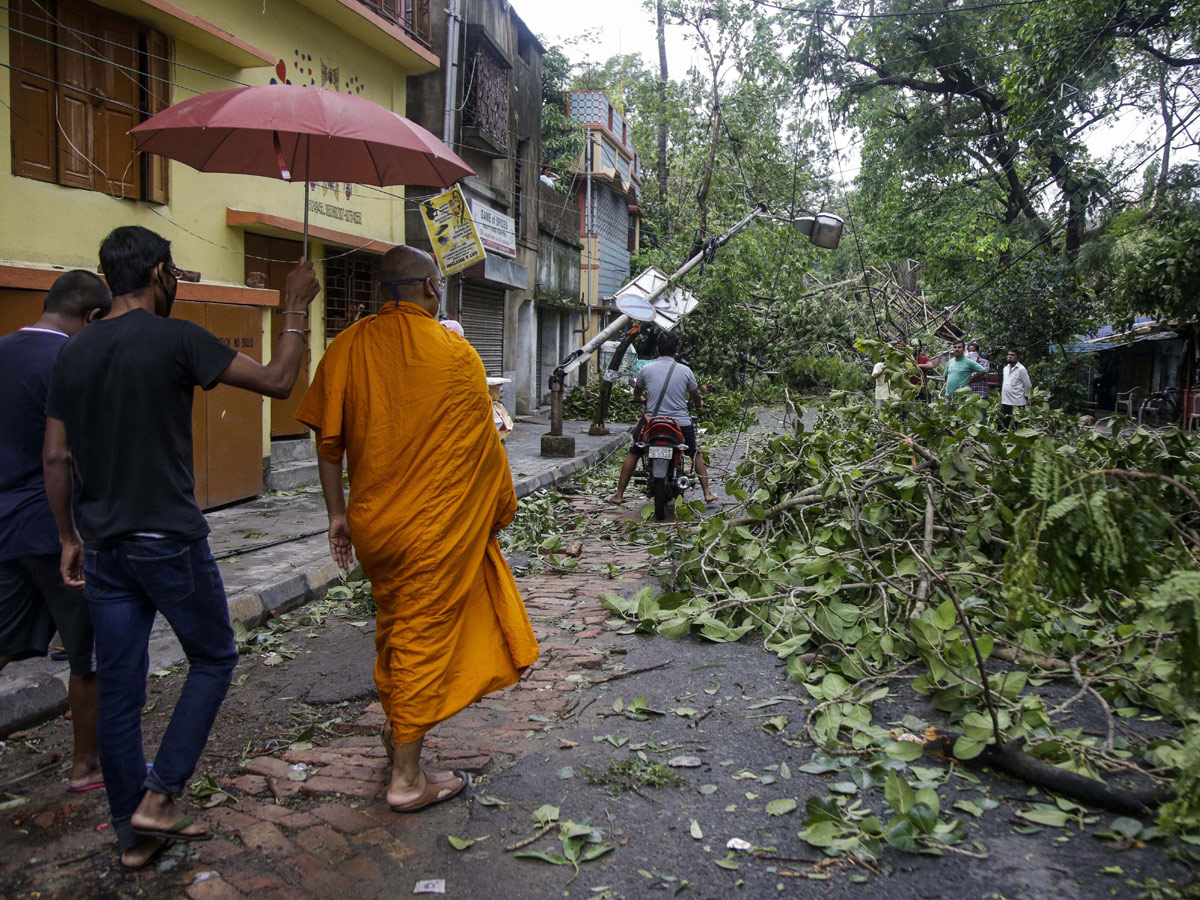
[973, 355]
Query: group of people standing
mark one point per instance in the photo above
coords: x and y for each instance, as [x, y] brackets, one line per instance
[965, 367]
[100, 531]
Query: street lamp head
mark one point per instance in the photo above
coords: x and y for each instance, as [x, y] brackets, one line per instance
[823, 229]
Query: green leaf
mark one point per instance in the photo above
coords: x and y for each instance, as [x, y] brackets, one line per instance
[781, 806]
[1042, 815]
[695, 830]
[897, 792]
[905, 750]
[545, 814]
[966, 748]
[460, 843]
[552, 858]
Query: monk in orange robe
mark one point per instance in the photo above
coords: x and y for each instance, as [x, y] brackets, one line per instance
[406, 402]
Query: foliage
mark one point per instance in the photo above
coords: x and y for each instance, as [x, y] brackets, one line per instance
[535, 524]
[875, 545]
[580, 403]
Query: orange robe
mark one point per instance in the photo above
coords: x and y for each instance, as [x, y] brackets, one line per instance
[407, 402]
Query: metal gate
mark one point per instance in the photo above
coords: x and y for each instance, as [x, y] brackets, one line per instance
[481, 314]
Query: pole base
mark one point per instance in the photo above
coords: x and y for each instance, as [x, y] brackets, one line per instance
[558, 446]
[597, 430]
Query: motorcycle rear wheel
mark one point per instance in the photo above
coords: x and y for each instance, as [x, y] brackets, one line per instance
[662, 496]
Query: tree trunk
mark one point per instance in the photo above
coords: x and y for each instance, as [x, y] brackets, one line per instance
[662, 113]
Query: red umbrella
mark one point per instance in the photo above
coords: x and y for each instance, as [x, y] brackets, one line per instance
[299, 134]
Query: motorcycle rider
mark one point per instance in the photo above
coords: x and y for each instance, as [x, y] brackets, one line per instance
[667, 384]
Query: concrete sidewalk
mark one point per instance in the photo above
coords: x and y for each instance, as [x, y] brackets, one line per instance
[273, 556]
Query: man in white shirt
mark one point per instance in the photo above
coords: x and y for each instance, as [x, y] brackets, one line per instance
[1015, 390]
[883, 390]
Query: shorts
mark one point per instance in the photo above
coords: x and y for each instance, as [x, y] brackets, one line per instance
[34, 603]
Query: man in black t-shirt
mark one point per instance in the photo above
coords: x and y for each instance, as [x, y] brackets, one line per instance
[120, 410]
[33, 599]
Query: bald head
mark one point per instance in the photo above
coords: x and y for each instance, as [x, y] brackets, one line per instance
[410, 275]
[77, 296]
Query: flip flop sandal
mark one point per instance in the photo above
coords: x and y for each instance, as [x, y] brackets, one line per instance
[429, 797]
[149, 859]
[175, 832]
[92, 785]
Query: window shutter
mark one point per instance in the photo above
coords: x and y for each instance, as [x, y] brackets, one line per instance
[117, 102]
[158, 68]
[31, 82]
[74, 104]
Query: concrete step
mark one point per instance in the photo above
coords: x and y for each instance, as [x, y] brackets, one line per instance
[291, 476]
[294, 450]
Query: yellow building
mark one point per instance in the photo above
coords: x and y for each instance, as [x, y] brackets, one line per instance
[82, 73]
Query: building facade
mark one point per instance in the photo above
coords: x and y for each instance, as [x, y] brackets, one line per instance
[83, 72]
[608, 186]
[485, 101]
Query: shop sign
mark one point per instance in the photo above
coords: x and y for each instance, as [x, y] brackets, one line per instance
[497, 231]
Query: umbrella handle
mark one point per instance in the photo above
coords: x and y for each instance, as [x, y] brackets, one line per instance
[307, 167]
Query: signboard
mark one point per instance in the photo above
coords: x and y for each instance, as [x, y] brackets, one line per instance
[451, 231]
[497, 231]
[665, 311]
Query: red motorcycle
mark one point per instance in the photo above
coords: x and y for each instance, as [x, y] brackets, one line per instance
[663, 450]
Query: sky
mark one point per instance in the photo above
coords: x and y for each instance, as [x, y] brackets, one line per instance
[621, 26]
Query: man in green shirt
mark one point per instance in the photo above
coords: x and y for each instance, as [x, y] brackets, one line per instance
[961, 370]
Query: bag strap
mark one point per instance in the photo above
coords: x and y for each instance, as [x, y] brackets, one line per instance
[666, 383]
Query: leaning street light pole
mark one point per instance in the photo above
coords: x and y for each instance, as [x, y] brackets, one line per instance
[824, 230]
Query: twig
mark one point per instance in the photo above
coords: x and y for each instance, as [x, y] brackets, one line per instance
[45, 768]
[803, 859]
[633, 787]
[632, 672]
[576, 713]
[545, 829]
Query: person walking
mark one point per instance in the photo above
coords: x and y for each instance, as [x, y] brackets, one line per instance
[1015, 389]
[979, 385]
[34, 601]
[119, 409]
[667, 384]
[960, 370]
[405, 403]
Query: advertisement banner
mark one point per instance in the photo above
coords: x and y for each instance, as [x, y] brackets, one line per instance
[451, 231]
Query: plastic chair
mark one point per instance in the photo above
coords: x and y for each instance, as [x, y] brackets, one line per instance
[1127, 399]
[1193, 412]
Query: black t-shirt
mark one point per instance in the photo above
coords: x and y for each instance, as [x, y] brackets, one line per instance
[124, 389]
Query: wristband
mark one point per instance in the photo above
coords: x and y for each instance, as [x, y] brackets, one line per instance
[294, 312]
[298, 331]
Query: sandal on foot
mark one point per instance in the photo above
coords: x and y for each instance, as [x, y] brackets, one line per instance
[154, 855]
[174, 832]
[429, 796]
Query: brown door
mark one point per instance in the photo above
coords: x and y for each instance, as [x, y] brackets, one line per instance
[18, 309]
[233, 418]
[275, 257]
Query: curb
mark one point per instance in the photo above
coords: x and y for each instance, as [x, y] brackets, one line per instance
[40, 698]
[526, 486]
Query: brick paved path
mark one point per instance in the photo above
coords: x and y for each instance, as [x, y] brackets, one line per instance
[313, 823]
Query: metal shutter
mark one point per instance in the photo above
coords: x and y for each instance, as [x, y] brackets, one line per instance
[481, 315]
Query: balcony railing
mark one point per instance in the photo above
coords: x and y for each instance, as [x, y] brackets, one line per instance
[411, 15]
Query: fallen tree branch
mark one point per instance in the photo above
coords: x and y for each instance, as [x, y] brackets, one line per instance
[1012, 760]
[545, 829]
[632, 672]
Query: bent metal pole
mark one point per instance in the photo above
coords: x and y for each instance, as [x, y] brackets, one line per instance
[576, 359]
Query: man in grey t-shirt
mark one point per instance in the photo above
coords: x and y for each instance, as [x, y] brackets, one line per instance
[666, 385]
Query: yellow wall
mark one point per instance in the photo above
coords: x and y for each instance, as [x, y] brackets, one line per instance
[50, 224]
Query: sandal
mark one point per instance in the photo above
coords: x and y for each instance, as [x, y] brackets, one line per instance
[429, 795]
[154, 855]
[175, 832]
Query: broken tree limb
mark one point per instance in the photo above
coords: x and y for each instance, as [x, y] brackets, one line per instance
[632, 672]
[1032, 660]
[1012, 760]
[808, 497]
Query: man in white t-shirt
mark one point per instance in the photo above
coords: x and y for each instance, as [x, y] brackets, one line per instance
[883, 390]
[1015, 389]
[667, 384]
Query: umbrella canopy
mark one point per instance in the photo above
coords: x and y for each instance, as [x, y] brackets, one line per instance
[299, 134]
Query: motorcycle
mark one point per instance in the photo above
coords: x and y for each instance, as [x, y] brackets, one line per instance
[664, 457]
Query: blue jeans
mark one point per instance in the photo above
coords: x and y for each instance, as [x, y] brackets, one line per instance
[126, 585]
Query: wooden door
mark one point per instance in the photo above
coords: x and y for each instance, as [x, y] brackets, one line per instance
[19, 308]
[275, 257]
[233, 417]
